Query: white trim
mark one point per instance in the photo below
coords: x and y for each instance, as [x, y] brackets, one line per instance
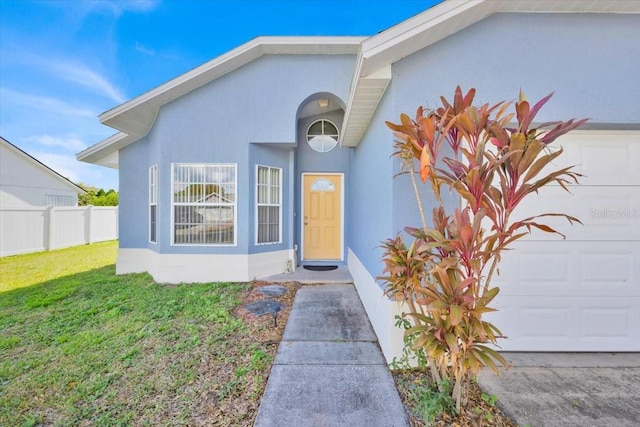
[153, 200]
[235, 205]
[342, 208]
[202, 268]
[380, 309]
[105, 152]
[337, 134]
[280, 203]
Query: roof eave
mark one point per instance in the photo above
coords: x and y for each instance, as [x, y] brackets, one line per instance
[136, 116]
[433, 25]
[105, 153]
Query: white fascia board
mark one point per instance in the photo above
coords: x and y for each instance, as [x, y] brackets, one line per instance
[422, 30]
[576, 6]
[417, 25]
[452, 16]
[102, 152]
[134, 118]
[137, 115]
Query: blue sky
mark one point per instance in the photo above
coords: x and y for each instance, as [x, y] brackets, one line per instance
[63, 62]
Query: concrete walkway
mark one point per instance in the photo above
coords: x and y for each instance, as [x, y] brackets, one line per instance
[329, 370]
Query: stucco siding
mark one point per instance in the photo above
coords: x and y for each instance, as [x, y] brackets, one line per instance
[271, 156]
[308, 160]
[540, 53]
[370, 204]
[594, 73]
[133, 196]
[218, 123]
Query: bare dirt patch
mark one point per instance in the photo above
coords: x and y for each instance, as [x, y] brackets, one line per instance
[243, 374]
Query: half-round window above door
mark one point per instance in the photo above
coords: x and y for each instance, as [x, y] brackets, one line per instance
[322, 136]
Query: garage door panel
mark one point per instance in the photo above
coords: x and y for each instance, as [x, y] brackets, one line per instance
[607, 213]
[603, 157]
[570, 269]
[582, 293]
[539, 323]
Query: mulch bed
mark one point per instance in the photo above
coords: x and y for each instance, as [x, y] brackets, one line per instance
[479, 413]
[239, 407]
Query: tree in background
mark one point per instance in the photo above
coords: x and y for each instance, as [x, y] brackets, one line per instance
[97, 197]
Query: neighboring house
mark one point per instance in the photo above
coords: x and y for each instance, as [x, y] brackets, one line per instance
[292, 129]
[25, 181]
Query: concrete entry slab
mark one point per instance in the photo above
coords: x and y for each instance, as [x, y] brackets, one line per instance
[562, 389]
[339, 275]
[335, 396]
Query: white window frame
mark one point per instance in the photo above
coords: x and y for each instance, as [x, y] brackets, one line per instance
[333, 136]
[268, 204]
[153, 202]
[234, 204]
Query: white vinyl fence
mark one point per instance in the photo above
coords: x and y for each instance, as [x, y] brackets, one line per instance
[33, 229]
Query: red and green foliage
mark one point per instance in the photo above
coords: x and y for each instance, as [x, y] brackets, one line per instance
[444, 275]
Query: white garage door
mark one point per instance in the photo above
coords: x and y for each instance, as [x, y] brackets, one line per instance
[582, 293]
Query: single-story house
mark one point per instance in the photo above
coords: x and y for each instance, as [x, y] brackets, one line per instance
[27, 182]
[277, 154]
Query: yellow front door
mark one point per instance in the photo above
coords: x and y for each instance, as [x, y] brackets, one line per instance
[322, 217]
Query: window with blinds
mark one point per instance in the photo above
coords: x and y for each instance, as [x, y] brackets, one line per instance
[204, 204]
[268, 205]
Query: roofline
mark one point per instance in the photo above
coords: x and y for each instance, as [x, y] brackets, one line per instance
[144, 108]
[437, 22]
[29, 157]
[97, 152]
[135, 117]
[245, 53]
[448, 9]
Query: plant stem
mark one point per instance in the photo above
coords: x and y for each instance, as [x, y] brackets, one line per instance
[412, 172]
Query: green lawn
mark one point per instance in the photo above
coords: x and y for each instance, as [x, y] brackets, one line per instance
[26, 270]
[82, 346]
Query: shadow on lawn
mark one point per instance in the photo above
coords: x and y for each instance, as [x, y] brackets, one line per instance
[48, 292]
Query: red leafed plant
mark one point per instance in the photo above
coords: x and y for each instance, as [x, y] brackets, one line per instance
[444, 275]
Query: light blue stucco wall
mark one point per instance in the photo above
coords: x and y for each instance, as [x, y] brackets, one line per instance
[308, 160]
[265, 155]
[217, 123]
[591, 61]
[595, 73]
[133, 221]
[371, 202]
